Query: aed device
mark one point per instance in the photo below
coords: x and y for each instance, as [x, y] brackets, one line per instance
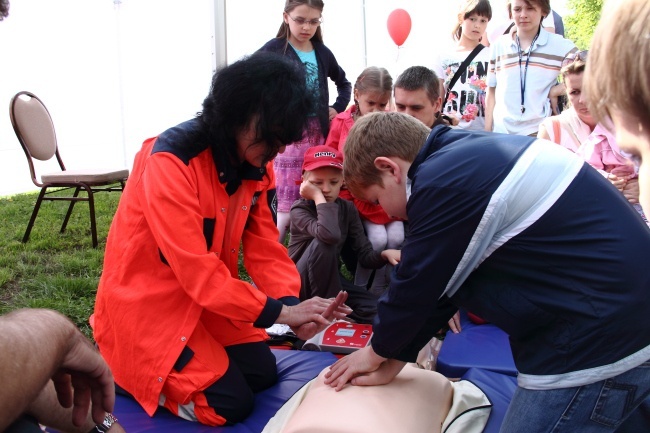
[340, 337]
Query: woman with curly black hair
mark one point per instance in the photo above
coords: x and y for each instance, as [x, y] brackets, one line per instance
[172, 318]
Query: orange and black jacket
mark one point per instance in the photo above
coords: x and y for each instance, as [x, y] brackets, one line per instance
[172, 258]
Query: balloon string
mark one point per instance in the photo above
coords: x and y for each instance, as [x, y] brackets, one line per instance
[397, 58]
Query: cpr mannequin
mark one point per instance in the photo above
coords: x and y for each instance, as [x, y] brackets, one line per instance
[416, 400]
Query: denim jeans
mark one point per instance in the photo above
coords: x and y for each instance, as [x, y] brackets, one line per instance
[619, 404]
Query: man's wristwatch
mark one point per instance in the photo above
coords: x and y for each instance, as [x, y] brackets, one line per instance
[109, 420]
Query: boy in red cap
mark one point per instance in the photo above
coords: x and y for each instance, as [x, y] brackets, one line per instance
[320, 225]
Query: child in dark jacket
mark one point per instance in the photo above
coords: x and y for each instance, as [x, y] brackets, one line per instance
[321, 223]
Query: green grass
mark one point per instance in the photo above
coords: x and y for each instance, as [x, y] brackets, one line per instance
[52, 270]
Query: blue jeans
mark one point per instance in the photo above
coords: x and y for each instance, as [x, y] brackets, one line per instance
[620, 404]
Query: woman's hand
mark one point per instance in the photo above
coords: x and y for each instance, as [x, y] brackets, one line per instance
[618, 182]
[313, 315]
[631, 190]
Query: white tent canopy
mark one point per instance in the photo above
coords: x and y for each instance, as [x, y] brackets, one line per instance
[113, 73]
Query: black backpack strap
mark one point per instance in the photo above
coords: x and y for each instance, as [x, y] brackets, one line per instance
[463, 66]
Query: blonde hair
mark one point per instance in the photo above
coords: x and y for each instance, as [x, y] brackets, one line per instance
[379, 134]
[467, 9]
[616, 77]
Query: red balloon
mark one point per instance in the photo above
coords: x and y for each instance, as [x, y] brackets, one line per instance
[399, 26]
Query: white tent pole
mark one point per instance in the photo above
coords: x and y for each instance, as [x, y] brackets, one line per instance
[219, 35]
[118, 30]
[365, 37]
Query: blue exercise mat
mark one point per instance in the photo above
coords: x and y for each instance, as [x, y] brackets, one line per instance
[295, 368]
[479, 346]
[499, 389]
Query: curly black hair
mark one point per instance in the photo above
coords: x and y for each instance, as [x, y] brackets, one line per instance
[264, 88]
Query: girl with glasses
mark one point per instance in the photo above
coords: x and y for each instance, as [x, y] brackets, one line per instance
[300, 39]
[577, 130]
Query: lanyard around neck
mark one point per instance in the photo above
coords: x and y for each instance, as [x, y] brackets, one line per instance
[522, 80]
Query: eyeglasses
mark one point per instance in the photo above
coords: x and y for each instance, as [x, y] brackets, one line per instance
[580, 55]
[301, 21]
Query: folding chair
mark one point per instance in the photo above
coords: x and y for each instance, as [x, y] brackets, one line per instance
[35, 131]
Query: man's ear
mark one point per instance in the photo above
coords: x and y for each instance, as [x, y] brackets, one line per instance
[437, 105]
[388, 167]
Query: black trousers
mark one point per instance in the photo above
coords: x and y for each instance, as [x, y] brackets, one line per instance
[252, 369]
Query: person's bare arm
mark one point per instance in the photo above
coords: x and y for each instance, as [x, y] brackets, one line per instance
[39, 345]
[490, 101]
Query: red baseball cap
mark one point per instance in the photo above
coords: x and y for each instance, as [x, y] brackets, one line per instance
[322, 156]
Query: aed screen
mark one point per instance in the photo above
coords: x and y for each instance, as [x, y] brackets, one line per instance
[344, 332]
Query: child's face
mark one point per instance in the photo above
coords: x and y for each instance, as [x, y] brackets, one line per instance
[527, 15]
[371, 101]
[328, 180]
[473, 27]
[302, 23]
[391, 197]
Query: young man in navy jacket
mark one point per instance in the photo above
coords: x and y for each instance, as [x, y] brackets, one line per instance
[526, 235]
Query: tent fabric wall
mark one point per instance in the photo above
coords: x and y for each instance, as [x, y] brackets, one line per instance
[114, 73]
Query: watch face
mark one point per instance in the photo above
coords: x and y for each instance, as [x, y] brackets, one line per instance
[109, 419]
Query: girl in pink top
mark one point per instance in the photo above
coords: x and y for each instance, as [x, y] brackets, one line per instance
[372, 92]
[577, 130]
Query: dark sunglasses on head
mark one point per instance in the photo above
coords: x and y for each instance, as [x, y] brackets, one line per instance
[570, 59]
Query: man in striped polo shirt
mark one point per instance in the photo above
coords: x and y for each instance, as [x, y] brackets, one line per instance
[524, 65]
